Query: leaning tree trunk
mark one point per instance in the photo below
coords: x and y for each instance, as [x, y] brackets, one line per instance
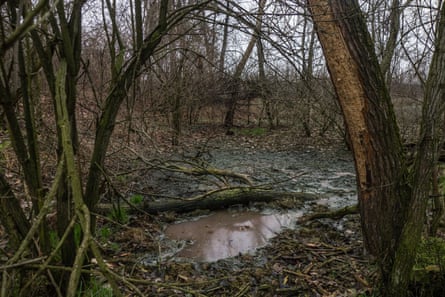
[236, 79]
[392, 197]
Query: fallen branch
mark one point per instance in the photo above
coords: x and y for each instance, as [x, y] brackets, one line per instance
[193, 168]
[335, 214]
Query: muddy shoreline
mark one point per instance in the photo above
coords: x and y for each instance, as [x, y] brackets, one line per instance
[319, 258]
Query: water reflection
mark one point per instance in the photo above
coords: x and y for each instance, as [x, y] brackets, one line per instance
[226, 234]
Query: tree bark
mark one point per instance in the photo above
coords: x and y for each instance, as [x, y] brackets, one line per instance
[384, 191]
[392, 196]
[222, 57]
[12, 216]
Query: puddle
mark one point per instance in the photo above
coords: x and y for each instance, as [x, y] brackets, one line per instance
[225, 234]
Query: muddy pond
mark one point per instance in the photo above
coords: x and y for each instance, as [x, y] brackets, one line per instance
[226, 234]
[329, 173]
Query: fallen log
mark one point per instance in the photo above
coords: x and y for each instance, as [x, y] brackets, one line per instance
[223, 198]
[213, 200]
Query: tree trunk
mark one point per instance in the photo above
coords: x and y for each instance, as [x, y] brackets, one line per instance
[235, 83]
[437, 205]
[12, 217]
[222, 57]
[391, 201]
[264, 92]
[391, 43]
[117, 94]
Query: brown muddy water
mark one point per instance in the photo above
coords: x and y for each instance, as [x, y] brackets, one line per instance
[226, 234]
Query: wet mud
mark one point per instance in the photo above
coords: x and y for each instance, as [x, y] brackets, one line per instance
[328, 173]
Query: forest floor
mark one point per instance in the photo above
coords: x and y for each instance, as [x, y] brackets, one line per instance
[317, 258]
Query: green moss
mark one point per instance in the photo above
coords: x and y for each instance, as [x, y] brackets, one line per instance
[256, 131]
[428, 273]
[77, 234]
[431, 252]
[123, 178]
[4, 145]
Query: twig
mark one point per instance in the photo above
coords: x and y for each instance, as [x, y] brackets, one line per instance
[243, 290]
[52, 255]
[54, 283]
[22, 263]
[194, 169]
[296, 273]
[327, 262]
[209, 193]
[361, 280]
[42, 214]
[103, 267]
[120, 196]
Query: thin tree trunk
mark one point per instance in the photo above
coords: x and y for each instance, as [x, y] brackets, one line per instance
[222, 57]
[307, 76]
[25, 144]
[391, 43]
[69, 32]
[262, 83]
[235, 82]
[12, 216]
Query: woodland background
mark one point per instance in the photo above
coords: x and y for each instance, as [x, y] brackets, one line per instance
[85, 83]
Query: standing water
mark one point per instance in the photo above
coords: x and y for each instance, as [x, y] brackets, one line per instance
[225, 234]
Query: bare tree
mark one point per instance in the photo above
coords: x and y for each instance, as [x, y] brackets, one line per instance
[53, 46]
[235, 84]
